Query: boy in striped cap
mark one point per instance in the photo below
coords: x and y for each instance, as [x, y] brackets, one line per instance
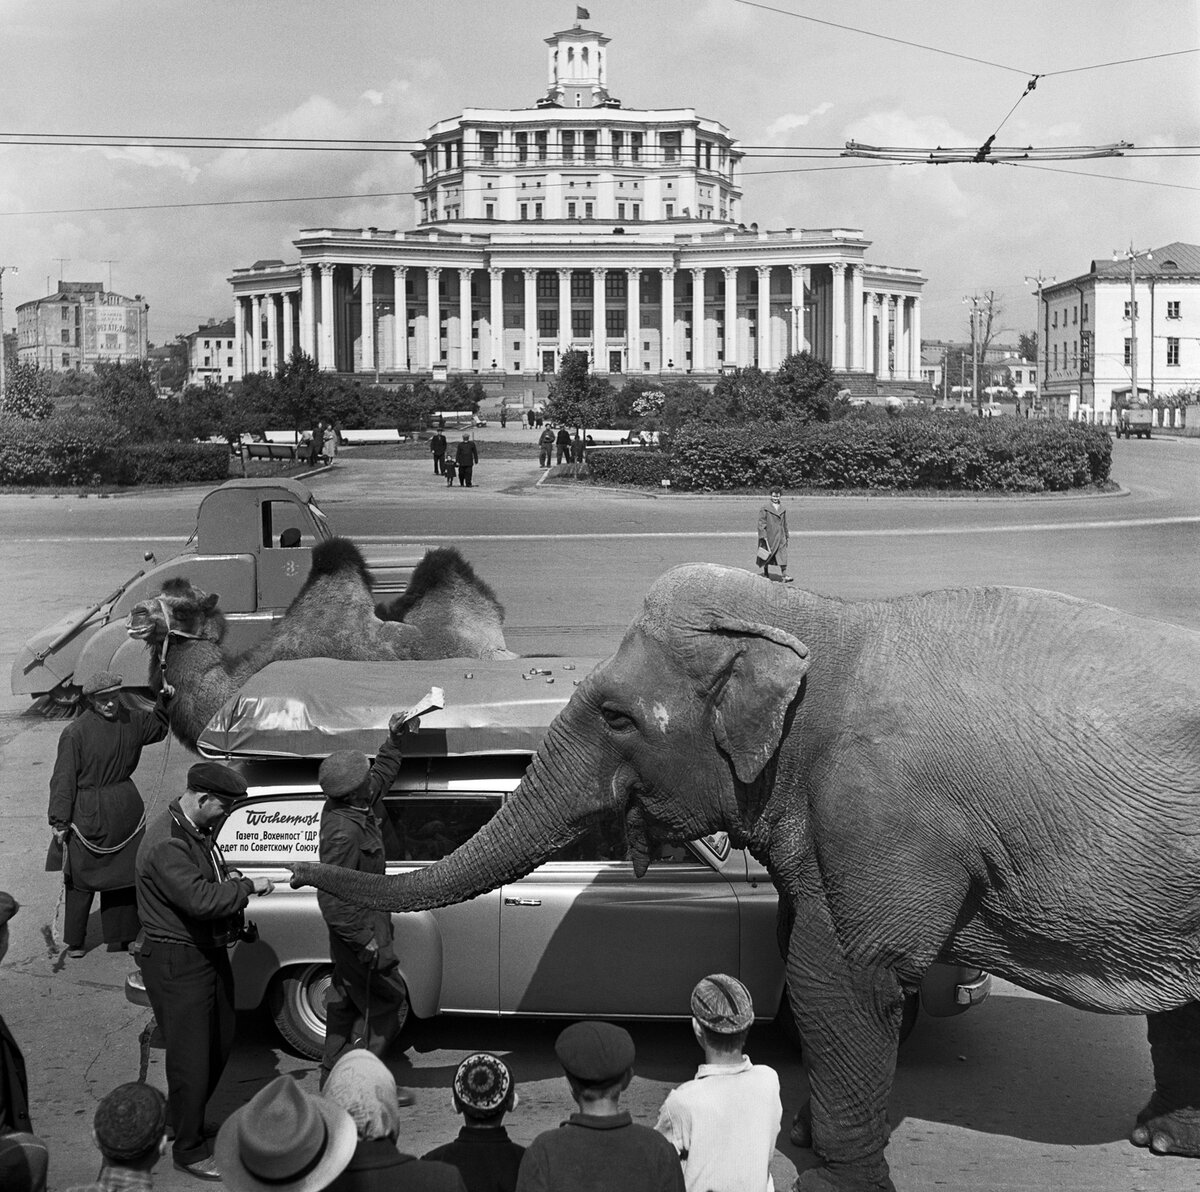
[724, 1123]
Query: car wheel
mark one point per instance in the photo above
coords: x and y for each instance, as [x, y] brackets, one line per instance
[297, 1002]
[787, 1022]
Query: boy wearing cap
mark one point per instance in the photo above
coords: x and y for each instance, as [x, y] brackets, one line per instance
[96, 812]
[599, 1149]
[365, 978]
[130, 1132]
[483, 1093]
[189, 904]
[724, 1123]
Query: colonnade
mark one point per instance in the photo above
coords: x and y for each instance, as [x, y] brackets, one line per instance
[699, 318]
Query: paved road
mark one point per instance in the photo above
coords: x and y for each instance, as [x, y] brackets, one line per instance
[1022, 1093]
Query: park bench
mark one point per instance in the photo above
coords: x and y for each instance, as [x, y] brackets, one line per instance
[270, 451]
[381, 434]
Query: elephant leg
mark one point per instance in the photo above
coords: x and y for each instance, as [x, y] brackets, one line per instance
[1170, 1122]
[849, 1020]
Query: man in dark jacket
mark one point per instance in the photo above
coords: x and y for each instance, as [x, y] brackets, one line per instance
[545, 447]
[437, 444]
[467, 455]
[562, 441]
[366, 1002]
[97, 813]
[191, 907]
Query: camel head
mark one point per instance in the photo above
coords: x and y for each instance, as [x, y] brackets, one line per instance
[179, 609]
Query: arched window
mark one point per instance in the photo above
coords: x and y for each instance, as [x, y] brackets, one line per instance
[583, 57]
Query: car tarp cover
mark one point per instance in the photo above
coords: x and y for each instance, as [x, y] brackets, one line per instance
[315, 706]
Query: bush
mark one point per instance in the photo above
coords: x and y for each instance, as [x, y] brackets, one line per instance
[172, 463]
[974, 455]
[628, 465]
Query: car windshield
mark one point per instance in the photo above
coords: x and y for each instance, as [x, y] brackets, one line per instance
[322, 522]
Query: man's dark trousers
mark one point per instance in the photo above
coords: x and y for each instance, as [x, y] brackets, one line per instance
[464, 474]
[191, 992]
[437, 463]
[355, 990]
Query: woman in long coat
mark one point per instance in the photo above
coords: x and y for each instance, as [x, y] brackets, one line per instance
[97, 813]
[773, 537]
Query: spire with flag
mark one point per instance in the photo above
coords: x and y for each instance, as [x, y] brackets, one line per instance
[582, 14]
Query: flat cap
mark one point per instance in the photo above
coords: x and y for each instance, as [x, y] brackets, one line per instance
[482, 1083]
[130, 1122]
[722, 1004]
[212, 778]
[595, 1052]
[101, 682]
[8, 907]
[343, 773]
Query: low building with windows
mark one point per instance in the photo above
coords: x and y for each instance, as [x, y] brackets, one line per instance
[578, 223]
[212, 353]
[1125, 318]
[81, 325]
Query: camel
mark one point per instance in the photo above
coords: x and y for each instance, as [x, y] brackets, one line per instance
[447, 613]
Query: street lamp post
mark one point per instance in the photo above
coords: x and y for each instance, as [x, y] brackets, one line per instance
[1039, 281]
[1134, 394]
[3, 269]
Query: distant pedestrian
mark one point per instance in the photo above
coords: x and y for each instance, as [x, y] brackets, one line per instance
[316, 445]
[577, 448]
[437, 445]
[466, 456]
[773, 537]
[599, 1147]
[538, 418]
[529, 416]
[448, 470]
[546, 448]
[503, 416]
[130, 1132]
[724, 1123]
[563, 442]
[483, 1092]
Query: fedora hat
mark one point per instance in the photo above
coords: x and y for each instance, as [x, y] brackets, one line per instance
[284, 1140]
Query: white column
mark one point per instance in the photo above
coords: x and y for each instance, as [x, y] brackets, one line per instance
[633, 320]
[433, 316]
[496, 315]
[325, 343]
[667, 311]
[856, 304]
[838, 325]
[307, 311]
[287, 328]
[764, 317]
[239, 338]
[367, 294]
[731, 327]
[465, 362]
[698, 361]
[270, 333]
[914, 331]
[903, 340]
[796, 320]
[599, 330]
[892, 316]
[256, 339]
[531, 362]
[400, 326]
[564, 311]
[868, 321]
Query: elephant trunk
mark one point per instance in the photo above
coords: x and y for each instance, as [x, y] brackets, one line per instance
[548, 811]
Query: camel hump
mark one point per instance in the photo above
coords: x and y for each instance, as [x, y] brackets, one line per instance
[440, 568]
[335, 556]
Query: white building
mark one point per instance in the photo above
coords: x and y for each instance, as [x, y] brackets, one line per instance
[1090, 346]
[579, 224]
[80, 325]
[211, 353]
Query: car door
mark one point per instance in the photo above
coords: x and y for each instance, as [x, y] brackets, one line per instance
[582, 936]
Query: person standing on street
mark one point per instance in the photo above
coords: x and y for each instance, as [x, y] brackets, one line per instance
[366, 1001]
[96, 812]
[563, 442]
[437, 444]
[467, 456]
[545, 448]
[191, 909]
[773, 537]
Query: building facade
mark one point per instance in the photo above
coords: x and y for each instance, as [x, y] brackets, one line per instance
[1125, 317]
[578, 224]
[81, 325]
[212, 355]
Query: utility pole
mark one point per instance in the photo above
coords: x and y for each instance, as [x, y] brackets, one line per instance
[974, 300]
[1039, 281]
[110, 262]
[3, 270]
[1134, 393]
[61, 262]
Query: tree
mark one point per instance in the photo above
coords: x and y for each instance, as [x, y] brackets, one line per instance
[1027, 345]
[578, 399]
[302, 392]
[456, 395]
[126, 393]
[805, 388]
[172, 373]
[744, 395]
[27, 392]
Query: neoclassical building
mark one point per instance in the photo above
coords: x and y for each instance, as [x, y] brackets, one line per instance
[578, 223]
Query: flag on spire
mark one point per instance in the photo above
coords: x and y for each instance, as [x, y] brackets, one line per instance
[582, 14]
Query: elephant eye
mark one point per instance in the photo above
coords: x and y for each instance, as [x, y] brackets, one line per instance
[616, 719]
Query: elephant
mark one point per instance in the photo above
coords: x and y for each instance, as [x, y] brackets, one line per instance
[999, 777]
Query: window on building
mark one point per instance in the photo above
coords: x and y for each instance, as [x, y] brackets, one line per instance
[489, 211]
[207, 361]
[571, 210]
[1056, 356]
[540, 141]
[547, 284]
[620, 210]
[1085, 312]
[66, 360]
[614, 322]
[488, 143]
[614, 285]
[537, 211]
[618, 145]
[524, 209]
[581, 323]
[1173, 310]
[548, 321]
[589, 144]
[1173, 351]
[568, 144]
[587, 210]
[522, 142]
[1137, 313]
[206, 344]
[1054, 323]
[669, 210]
[66, 312]
[228, 361]
[1074, 315]
[671, 143]
[635, 211]
[66, 335]
[635, 146]
[1128, 350]
[581, 284]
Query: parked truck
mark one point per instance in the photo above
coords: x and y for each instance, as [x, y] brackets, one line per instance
[252, 545]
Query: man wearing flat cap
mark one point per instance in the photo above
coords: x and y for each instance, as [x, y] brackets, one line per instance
[724, 1122]
[96, 812]
[366, 1002]
[599, 1147]
[191, 909]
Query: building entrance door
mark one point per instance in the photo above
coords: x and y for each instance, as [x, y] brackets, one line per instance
[548, 362]
[614, 362]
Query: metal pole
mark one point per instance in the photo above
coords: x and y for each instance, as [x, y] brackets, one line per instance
[11, 269]
[1134, 395]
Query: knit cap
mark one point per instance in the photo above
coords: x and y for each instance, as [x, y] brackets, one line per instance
[130, 1122]
[482, 1083]
[722, 1004]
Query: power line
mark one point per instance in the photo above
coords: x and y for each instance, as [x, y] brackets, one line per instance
[1023, 165]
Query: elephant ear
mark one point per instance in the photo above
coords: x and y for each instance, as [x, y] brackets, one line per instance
[763, 671]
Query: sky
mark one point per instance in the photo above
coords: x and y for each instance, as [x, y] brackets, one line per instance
[173, 223]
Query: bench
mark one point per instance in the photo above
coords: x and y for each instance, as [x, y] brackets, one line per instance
[280, 436]
[270, 451]
[356, 438]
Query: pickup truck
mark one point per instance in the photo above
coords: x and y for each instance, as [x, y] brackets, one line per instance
[1135, 420]
[252, 545]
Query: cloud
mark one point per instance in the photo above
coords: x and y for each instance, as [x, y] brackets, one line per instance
[779, 130]
[148, 157]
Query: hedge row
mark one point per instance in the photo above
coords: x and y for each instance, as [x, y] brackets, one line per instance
[629, 465]
[973, 455]
[86, 449]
